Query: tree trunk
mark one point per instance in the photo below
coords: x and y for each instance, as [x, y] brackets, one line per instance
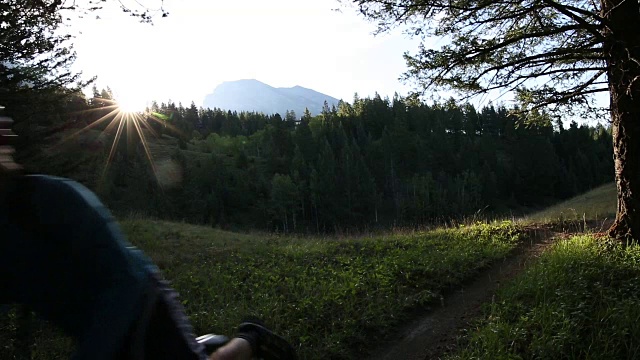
[622, 51]
[317, 219]
[293, 215]
[286, 222]
[376, 211]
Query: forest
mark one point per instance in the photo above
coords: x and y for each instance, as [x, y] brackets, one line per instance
[322, 207]
[372, 163]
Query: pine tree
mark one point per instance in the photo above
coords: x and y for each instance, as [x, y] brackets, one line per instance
[554, 54]
[284, 200]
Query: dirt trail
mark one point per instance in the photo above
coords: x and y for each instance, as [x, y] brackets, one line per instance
[434, 333]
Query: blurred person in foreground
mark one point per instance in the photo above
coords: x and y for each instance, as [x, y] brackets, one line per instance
[63, 256]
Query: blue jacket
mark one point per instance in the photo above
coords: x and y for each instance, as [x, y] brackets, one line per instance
[63, 254]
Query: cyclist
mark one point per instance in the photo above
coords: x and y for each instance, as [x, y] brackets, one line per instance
[63, 255]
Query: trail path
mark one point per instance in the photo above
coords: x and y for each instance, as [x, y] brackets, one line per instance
[433, 333]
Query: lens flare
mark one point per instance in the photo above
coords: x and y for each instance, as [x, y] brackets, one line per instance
[131, 117]
[129, 104]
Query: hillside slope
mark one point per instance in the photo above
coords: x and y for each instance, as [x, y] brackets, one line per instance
[597, 204]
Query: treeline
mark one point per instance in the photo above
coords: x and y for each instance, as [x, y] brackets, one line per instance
[375, 161]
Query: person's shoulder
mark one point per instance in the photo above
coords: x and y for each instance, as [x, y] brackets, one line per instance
[52, 184]
[53, 191]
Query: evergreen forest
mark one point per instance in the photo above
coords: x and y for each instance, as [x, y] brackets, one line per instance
[372, 163]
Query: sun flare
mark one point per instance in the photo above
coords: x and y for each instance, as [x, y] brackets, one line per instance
[130, 104]
[126, 115]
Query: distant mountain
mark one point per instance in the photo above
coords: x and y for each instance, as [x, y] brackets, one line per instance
[253, 95]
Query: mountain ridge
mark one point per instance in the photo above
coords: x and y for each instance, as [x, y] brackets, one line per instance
[254, 95]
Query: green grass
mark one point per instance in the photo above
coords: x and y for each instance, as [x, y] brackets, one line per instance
[581, 300]
[597, 204]
[331, 298]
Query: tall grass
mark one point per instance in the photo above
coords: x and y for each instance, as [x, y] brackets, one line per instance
[597, 204]
[331, 298]
[580, 301]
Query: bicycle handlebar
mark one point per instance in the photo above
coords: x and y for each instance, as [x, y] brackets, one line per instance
[212, 342]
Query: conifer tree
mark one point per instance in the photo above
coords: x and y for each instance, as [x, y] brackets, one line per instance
[554, 54]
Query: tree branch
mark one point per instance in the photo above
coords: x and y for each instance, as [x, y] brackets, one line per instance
[564, 9]
[483, 51]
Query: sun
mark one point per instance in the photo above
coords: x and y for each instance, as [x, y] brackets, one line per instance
[131, 104]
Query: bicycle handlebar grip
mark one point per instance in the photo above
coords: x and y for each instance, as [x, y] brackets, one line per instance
[212, 342]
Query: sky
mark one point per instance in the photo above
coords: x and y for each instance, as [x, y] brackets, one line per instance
[202, 43]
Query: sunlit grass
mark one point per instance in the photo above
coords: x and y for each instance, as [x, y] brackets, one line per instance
[580, 301]
[330, 297]
[597, 204]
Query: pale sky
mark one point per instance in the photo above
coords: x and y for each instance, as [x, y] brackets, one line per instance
[202, 43]
[283, 43]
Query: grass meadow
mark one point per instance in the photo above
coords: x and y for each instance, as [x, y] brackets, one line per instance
[581, 300]
[330, 297]
[596, 205]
